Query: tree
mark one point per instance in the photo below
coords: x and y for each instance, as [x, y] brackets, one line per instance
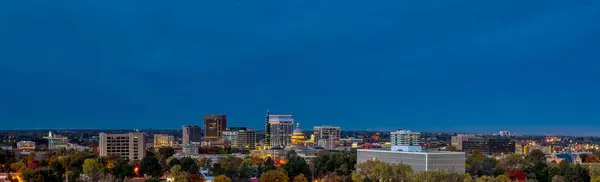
[592, 159]
[151, 166]
[18, 166]
[535, 156]
[247, 169]
[93, 169]
[172, 162]
[558, 178]
[274, 176]
[166, 152]
[189, 165]
[451, 148]
[222, 178]
[513, 161]
[296, 165]
[300, 178]
[269, 164]
[480, 165]
[381, 171]
[177, 174]
[577, 173]
[517, 175]
[539, 171]
[121, 169]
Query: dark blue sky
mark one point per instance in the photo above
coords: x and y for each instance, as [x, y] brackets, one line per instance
[429, 65]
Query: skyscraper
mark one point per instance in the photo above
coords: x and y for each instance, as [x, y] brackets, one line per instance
[327, 137]
[267, 131]
[214, 125]
[280, 130]
[191, 134]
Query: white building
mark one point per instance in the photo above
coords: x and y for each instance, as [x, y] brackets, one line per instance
[26, 145]
[505, 133]
[405, 140]
[419, 161]
[126, 145]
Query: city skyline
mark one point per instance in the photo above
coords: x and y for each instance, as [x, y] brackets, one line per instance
[455, 66]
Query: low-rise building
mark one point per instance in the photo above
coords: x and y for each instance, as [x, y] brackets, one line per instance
[56, 142]
[163, 140]
[26, 145]
[419, 161]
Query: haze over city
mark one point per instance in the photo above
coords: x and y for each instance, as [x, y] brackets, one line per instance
[461, 66]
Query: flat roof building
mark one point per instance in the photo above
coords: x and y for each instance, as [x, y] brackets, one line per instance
[127, 145]
[214, 125]
[163, 140]
[26, 145]
[419, 161]
[191, 134]
[327, 137]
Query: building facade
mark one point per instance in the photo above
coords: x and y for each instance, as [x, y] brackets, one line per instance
[405, 140]
[26, 145]
[56, 142]
[489, 146]
[327, 137]
[230, 138]
[127, 145]
[419, 161]
[281, 129]
[191, 134]
[214, 125]
[163, 140]
[247, 139]
[457, 141]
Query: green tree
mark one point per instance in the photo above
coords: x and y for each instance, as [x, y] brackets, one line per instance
[296, 165]
[577, 173]
[274, 176]
[121, 169]
[189, 165]
[247, 169]
[480, 165]
[172, 162]
[166, 152]
[300, 178]
[222, 178]
[538, 171]
[451, 148]
[178, 174]
[535, 156]
[381, 171]
[513, 161]
[93, 169]
[151, 166]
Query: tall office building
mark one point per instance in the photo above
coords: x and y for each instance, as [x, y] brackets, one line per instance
[163, 140]
[327, 137]
[406, 140]
[247, 139]
[214, 125]
[267, 144]
[280, 130]
[240, 137]
[191, 134]
[127, 145]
